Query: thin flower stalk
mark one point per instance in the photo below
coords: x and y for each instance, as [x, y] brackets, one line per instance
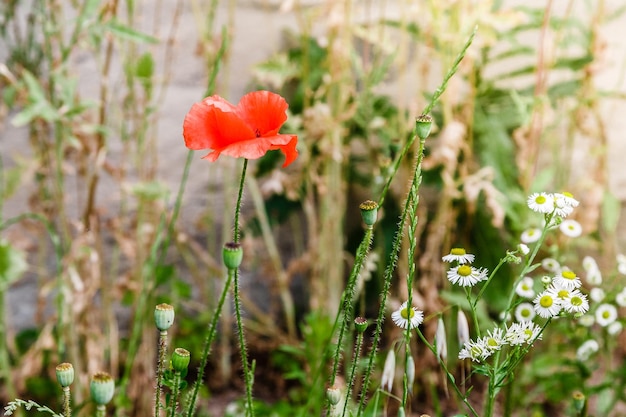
[438, 92]
[161, 353]
[387, 279]
[243, 350]
[208, 342]
[355, 360]
[348, 299]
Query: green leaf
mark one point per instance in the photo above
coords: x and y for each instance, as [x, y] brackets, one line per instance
[125, 32]
[145, 66]
[12, 264]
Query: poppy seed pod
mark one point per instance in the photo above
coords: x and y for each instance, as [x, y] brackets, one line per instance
[164, 316]
[423, 125]
[65, 374]
[361, 324]
[180, 359]
[232, 254]
[333, 394]
[369, 212]
[578, 399]
[102, 388]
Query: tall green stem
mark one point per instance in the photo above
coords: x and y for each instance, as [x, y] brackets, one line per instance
[210, 336]
[236, 231]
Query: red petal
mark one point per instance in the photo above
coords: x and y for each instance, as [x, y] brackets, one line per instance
[290, 151]
[208, 126]
[263, 111]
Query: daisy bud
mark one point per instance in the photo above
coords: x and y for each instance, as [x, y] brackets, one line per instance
[462, 328]
[333, 394]
[65, 374]
[440, 340]
[423, 125]
[523, 249]
[389, 371]
[361, 324]
[180, 359]
[102, 388]
[232, 254]
[369, 212]
[163, 316]
[578, 400]
[410, 372]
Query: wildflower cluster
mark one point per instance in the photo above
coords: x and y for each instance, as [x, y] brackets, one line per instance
[555, 207]
[517, 334]
[604, 309]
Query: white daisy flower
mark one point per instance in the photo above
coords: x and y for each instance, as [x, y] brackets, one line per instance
[606, 314]
[530, 235]
[597, 294]
[614, 328]
[576, 303]
[546, 280]
[541, 203]
[567, 199]
[466, 276]
[406, 317]
[476, 351]
[559, 292]
[586, 320]
[620, 298]
[524, 312]
[459, 255]
[523, 249]
[571, 228]
[589, 263]
[621, 268]
[620, 258]
[494, 339]
[587, 349]
[547, 305]
[550, 264]
[567, 279]
[525, 288]
[522, 332]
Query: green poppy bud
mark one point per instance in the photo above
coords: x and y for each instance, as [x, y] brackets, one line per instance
[102, 388]
[361, 324]
[369, 212]
[232, 253]
[578, 398]
[164, 316]
[333, 394]
[65, 374]
[180, 359]
[423, 124]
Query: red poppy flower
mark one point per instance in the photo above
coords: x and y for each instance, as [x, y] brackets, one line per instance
[247, 130]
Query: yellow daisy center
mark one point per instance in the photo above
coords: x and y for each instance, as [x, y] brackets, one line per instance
[568, 275]
[407, 313]
[464, 270]
[562, 294]
[457, 251]
[540, 199]
[546, 301]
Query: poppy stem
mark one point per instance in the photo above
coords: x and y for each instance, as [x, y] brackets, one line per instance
[239, 197]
